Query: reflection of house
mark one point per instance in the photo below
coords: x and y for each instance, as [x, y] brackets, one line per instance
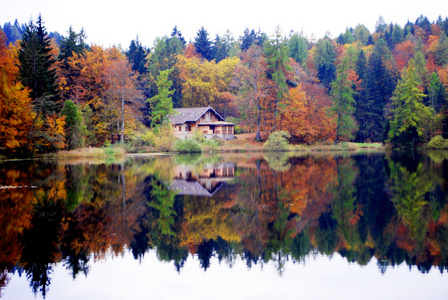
[203, 119]
[205, 182]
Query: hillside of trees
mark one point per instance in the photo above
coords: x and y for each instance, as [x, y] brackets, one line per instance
[389, 86]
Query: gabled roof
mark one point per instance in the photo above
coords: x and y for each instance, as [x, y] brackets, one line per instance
[190, 114]
[194, 188]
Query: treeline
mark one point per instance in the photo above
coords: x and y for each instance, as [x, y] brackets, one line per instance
[384, 86]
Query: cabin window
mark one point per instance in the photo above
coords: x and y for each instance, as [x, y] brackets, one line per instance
[218, 132]
[180, 128]
[224, 130]
[188, 128]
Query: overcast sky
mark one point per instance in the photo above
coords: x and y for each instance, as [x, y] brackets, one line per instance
[118, 22]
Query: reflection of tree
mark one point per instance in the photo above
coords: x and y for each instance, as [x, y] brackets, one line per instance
[277, 161]
[40, 244]
[163, 201]
[408, 189]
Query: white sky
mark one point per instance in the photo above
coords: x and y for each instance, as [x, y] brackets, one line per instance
[320, 277]
[118, 22]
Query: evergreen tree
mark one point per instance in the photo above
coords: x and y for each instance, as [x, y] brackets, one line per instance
[380, 84]
[436, 93]
[137, 56]
[177, 34]
[298, 49]
[73, 43]
[277, 59]
[324, 61]
[409, 114]
[203, 44]
[162, 104]
[362, 114]
[220, 49]
[441, 52]
[37, 68]
[343, 103]
[251, 37]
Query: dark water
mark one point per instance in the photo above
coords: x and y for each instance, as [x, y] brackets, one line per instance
[239, 226]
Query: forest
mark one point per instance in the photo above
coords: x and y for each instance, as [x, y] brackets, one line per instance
[388, 86]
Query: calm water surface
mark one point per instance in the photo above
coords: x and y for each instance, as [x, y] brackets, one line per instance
[234, 226]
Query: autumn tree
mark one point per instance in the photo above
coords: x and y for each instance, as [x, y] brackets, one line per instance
[205, 82]
[250, 74]
[122, 87]
[15, 107]
[67, 74]
[277, 59]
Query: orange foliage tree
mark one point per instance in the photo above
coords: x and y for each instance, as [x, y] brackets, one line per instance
[15, 109]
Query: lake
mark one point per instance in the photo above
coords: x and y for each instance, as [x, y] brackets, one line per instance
[229, 226]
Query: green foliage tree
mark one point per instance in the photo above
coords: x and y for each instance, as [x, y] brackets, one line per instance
[409, 114]
[298, 49]
[277, 60]
[162, 104]
[436, 93]
[74, 129]
[343, 103]
[441, 51]
[277, 141]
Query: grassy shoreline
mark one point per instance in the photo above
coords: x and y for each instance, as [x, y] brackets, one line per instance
[119, 151]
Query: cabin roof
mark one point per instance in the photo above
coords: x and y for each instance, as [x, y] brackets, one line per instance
[190, 114]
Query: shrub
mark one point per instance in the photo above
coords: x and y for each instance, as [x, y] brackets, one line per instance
[211, 145]
[188, 145]
[437, 142]
[277, 141]
[164, 139]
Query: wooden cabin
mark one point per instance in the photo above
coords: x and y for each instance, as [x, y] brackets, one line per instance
[206, 120]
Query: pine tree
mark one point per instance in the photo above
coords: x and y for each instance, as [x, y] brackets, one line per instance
[343, 103]
[203, 45]
[362, 114]
[73, 43]
[324, 61]
[37, 68]
[409, 114]
[162, 104]
[277, 59]
[381, 86]
[137, 56]
[298, 49]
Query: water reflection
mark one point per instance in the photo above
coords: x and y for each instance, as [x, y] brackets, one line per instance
[261, 208]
